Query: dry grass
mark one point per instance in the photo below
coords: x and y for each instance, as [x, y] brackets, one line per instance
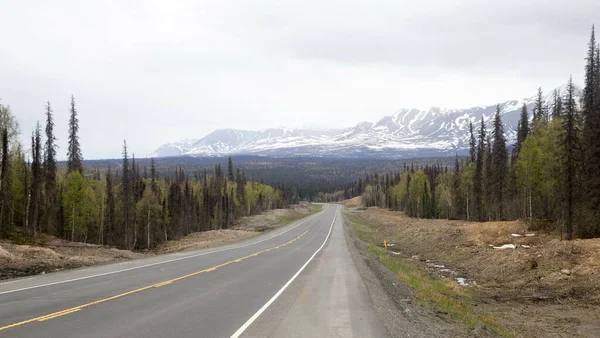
[524, 287]
[534, 271]
[442, 294]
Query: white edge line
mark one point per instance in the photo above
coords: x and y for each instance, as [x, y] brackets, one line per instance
[264, 307]
[157, 263]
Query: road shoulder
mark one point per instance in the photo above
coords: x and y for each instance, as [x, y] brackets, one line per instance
[395, 301]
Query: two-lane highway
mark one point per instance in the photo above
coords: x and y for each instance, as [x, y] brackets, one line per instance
[218, 292]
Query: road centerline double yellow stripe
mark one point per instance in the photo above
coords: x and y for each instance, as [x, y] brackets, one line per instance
[167, 282]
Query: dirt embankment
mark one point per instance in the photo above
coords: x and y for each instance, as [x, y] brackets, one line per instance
[244, 228]
[544, 287]
[56, 254]
[355, 202]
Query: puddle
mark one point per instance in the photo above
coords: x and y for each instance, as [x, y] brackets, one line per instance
[447, 272]
[464, 282]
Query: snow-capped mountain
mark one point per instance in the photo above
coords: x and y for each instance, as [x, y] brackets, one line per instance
[406, 133]
[174, 148]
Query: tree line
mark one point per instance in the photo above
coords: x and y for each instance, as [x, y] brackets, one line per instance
[127, 206]
[551, 174]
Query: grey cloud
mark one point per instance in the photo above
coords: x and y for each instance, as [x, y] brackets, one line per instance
[465, 35]
[154, 72]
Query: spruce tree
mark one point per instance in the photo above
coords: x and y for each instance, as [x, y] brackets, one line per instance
[591, 139]
[456, 164]
[570, 160]
[35, 189]
[230, 170]
[4, 167]
[74, 158]
[597, 82]
[153, 176]
[590, 90]
[472, 144]
[240, 190]
[4, 186]
[499, 165]
[523, 130]
[126, 198]
[487, 179]
[134, 176]
[557, 105]
[539, 111]
[478, 177]
[110, 217]
[50, 168]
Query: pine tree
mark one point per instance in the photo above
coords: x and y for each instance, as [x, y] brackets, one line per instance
[499, 165]
[591, 139]
[570, 160]
[74, 158]
[472, 144]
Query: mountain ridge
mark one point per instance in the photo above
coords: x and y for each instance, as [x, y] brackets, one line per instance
[408, 132]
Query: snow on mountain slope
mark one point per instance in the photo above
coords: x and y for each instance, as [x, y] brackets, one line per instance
[174, 148]
[406, 133]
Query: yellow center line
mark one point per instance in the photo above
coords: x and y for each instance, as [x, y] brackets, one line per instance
[167, 282]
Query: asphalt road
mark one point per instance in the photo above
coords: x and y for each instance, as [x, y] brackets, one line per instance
[296, 281]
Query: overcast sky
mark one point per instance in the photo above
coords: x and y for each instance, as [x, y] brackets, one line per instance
[158, 71]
